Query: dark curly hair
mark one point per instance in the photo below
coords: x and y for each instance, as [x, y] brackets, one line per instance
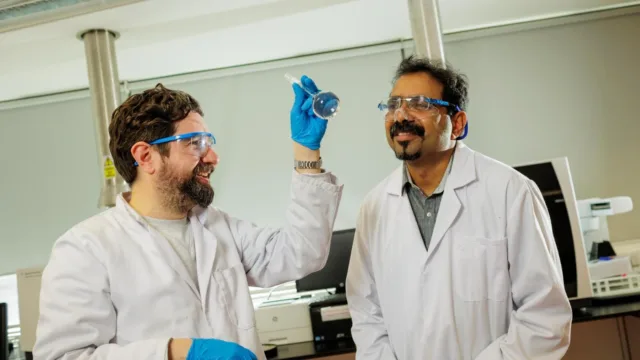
[146, 117]
[455, 85]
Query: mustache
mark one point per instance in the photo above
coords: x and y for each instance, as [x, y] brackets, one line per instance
[201, 168]
[406, 126]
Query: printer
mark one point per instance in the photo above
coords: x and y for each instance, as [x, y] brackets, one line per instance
[285, 321]
[330, 317]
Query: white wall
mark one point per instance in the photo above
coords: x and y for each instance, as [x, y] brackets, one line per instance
[49, 178]
[560, 91]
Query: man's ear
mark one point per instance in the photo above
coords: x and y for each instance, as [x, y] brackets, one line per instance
[141, 152]
[458, 122]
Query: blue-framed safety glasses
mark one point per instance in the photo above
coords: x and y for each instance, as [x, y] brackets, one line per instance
[197, 143]
[419, 104]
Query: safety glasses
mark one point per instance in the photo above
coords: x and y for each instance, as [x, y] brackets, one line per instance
[420, 106]
[196, 143]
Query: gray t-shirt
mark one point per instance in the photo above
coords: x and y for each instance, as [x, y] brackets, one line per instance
[180, 236]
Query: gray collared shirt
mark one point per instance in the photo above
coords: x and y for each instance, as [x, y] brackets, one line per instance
[425, 208]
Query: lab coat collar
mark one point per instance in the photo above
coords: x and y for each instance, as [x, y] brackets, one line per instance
[463, 171]
[204, 254]
[199, 213]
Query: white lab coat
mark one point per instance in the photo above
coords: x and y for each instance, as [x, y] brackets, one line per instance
[489, 288]
[114, 290]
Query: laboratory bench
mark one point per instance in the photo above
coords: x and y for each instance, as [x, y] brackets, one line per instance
[606, 329]
[608, 308]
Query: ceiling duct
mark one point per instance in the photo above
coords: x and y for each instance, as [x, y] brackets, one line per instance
[426, 29]
[19, 14]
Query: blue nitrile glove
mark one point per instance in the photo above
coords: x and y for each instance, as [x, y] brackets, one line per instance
[306, 128]
[214, 349]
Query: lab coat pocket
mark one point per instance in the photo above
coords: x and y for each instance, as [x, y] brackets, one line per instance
[480, 269]
[232, 283]
[497, 269]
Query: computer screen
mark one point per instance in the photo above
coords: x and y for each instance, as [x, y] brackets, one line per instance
[4, 332]
[334, 274]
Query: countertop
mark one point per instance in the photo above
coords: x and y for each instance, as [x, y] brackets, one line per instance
[608, 308]
[599, 309]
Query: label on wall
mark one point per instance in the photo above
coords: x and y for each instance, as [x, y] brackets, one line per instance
[108, 168]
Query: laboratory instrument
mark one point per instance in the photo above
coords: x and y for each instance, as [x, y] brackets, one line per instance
[610, 275]
[593, 218]
[553, 178]
[326, 104]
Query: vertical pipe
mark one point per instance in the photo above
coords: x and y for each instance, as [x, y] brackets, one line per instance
[104, 86]
[425, 26]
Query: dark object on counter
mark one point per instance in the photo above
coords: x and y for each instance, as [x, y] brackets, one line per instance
[330, 327]
[600, 250]
[270, 350]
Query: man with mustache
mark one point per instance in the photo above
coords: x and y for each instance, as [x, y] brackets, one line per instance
[454, 255]
[164, 275]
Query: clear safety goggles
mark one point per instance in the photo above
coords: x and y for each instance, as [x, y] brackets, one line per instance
[196, 143]
[418, 105]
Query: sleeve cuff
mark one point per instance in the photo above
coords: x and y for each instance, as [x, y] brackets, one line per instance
[325, 180]
[324, 176]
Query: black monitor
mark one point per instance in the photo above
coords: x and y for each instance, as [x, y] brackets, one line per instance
[334, 274]
[4, 332]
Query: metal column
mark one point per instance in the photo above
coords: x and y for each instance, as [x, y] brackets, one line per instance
[425, 26]
[104, 86]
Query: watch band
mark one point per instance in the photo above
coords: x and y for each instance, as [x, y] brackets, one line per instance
[306, 164]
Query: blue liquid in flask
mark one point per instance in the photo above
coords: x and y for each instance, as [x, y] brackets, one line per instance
[326, 104]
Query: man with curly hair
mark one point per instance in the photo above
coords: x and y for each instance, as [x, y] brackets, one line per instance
[164, 275]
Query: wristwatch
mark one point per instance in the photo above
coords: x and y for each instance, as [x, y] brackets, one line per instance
[306, 164]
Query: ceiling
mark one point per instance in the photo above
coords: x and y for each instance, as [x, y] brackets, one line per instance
[166, 37]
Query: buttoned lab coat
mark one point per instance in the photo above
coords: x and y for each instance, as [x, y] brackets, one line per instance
[115, 290]
[490, 287]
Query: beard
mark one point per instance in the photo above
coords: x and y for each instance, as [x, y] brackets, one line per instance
[182, 194]
[405, 152]
[406, 155]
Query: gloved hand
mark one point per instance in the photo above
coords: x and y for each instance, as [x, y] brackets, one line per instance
[306, 128]
[214, 349]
